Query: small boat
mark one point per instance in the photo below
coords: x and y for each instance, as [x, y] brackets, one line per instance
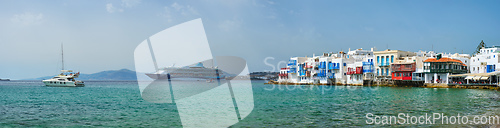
[66, 78]
[210, 80]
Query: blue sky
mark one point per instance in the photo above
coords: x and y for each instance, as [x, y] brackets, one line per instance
[102, 34]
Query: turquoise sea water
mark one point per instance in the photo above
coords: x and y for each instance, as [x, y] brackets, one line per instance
[118, 103]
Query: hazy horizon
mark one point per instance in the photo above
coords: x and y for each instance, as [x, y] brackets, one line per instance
[102, 35]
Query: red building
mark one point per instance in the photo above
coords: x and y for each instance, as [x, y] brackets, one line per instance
[402, 71]
[358, 70]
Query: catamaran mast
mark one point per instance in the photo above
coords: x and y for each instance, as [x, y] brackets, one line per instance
[62, 56]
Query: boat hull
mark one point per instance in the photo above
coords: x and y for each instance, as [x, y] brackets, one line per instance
[63, 84]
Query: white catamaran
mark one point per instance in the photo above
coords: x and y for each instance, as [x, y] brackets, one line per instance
[66, 78]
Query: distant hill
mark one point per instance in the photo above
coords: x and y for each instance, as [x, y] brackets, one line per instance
[122, 74]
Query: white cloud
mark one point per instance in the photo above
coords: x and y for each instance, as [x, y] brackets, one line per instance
[229, 25]
[130, 3]
[111, 9]
[270, 2]
[168, 14]
[175, 9]
[176, 6]
[27, 18]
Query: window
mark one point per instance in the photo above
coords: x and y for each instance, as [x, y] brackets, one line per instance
[387, 59]
[386, 71]
[378, 73]
[392, 59]
[382, 72]
[378, 59]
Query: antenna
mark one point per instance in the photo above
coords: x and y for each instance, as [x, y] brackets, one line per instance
[62, 56]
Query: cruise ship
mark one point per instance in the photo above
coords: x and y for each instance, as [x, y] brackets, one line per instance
[196, 71]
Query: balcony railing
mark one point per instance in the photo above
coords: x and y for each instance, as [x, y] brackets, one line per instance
[383, 64]
[322, 65]
[358, 70]
[367, 63]
[333, 66]
[292, 70]
[490, 68]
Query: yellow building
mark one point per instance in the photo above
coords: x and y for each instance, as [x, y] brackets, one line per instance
[384, 59]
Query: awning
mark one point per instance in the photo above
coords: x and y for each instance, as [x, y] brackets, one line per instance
[477, 77]
[484, 78]
[469, 77]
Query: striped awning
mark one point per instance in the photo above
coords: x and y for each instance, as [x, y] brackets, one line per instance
[469, 77]
[484, 78]
[477, 77]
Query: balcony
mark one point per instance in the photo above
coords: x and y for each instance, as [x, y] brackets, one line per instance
[292, 62]
[302, 73]
[367, 63]
[383, 64]
[351, 71]
[368, 67]
[403, 67]
[321, 73]
[333, 66]
[283, 75]
[322, 65]
[490, 68]
[292, 70]
[359, 70]
[308, 66]
[332, 75]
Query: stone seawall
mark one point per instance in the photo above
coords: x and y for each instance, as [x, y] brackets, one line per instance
[400, 83]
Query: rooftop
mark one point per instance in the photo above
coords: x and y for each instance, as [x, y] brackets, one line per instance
[444, 60]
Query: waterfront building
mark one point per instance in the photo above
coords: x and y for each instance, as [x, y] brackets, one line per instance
[402, 69]
[359, 66]
[283, 75]
[419, 59]
[486, 60]
[465, 58]
[384, 59]
[295, 69]
[339, 63]
[327, 69]
[354, 73]
[437, 70]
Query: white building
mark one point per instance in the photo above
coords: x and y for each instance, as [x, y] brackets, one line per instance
[465, 58]
[329, 68]
[419, 59]
[438, 70]
[359, 66]
[486, 60]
